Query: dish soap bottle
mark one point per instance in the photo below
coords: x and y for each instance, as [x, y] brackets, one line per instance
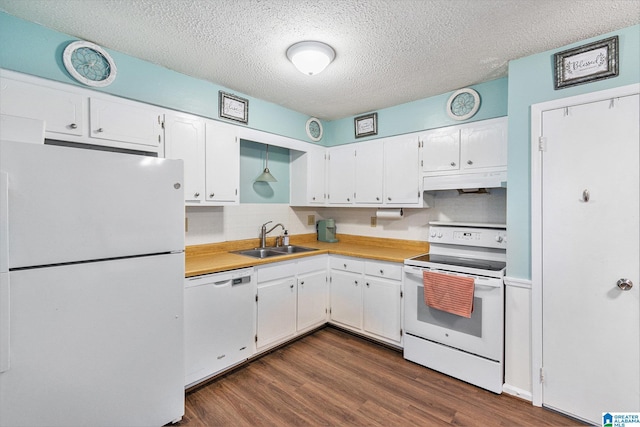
[285, 241]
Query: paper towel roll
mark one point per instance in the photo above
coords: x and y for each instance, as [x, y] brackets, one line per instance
[389, 213]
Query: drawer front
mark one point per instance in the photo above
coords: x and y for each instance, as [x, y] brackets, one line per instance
[387, 270]
[275, 271]
[353, 265]
[315, 263]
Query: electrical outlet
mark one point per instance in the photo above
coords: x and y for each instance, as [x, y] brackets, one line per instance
[374, 221]
[311, 220]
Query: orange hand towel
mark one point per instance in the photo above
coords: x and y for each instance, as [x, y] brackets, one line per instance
[453, 294]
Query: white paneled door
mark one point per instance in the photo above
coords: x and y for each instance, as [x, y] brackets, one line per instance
[590, 258]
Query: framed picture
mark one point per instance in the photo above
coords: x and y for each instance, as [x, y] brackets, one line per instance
[233, 107]
[366, 125]
[587, 63]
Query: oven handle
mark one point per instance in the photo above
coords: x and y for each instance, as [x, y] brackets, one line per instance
[480, 282]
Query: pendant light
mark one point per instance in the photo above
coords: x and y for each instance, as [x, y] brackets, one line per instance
[266, 176]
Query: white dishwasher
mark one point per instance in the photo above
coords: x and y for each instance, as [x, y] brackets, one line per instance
[219, 322]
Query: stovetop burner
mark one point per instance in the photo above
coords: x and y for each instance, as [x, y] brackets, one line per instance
[481, 264]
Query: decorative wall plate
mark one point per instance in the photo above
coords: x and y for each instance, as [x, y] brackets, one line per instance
[314, 129]
[89, 64]
[463, 104]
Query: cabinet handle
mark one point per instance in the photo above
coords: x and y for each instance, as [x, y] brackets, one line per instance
[389, 198]
[356, 282]
[211, 195]
[469, 162]
[99, 130]
[367, 284]
[313, 198]
[196, 194]
[381, 271]
[453, 163]
[345, 265]
[302, 283]
[377, 198]
[73, 126]
[348, 199]
[291, 286]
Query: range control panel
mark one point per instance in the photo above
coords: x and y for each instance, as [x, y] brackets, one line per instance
[468, 236]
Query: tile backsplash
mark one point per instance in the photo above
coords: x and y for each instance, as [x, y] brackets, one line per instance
[219, 224]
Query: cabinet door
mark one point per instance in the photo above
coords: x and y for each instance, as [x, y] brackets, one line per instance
[484, 145]
[276, 311]
[341, 175]
[185, 140]
[381, 313]
[402, 170]
[61, 111]
[441, 151]
[316, 177]
[369, 172]
[346, 298]
[312, 299]
[126, 121]
[222, 163]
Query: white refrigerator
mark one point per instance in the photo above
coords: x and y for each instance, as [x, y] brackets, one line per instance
[91, 287]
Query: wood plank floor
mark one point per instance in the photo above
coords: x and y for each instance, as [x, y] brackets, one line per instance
[333, 378]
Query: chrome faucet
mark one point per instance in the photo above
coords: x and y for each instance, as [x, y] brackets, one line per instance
[264, 232]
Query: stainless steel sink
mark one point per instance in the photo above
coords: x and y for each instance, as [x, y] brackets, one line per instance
[260, 252]
[291, 249]
[273, 251]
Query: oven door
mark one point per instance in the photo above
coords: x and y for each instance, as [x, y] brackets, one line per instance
[482, 334]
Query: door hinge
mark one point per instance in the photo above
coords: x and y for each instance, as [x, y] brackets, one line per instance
[541, 375]
[256, 297]
[256, 338]
[400, 332]
[401, 294]
[542, 144]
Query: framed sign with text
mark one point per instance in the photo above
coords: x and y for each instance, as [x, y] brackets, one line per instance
[233, 107]
[366, 125]
[587, 63]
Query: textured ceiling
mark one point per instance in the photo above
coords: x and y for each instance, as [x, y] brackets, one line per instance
[388, 52]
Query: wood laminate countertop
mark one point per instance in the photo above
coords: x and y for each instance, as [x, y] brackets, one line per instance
[217, 257]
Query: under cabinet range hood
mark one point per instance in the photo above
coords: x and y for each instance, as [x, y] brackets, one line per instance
[494, 179]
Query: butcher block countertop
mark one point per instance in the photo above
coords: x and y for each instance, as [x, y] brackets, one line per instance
[216, 257]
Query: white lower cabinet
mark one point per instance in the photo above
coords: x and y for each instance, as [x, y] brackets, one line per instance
[276, 311]
[366, 297]
[291, 299]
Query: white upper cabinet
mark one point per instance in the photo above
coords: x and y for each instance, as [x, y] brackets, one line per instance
[441, 151]
[484, 145]
[222, 169]
[308, 177]
[63, 112]
[369, 162]
[117, 119]
[79, 115]
[402, 171]
[472, 147]
[185, 140]
[342, 161]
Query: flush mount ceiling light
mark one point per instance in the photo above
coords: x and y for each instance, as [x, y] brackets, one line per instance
[266, 176]
[311, 57]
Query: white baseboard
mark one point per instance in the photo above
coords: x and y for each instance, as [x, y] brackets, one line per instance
[517, 392]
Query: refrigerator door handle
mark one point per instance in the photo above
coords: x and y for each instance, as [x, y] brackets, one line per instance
[4, 222]
[5, 331]
[4, 272]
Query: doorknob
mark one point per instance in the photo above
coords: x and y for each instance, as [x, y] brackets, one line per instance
[586, 196]
[625, 284]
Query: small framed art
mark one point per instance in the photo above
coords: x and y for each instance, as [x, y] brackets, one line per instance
[587, 63]
[366, 125]
[233, 107]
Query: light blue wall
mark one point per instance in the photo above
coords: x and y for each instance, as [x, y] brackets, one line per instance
[252, 163]
[33, 49]
[428, 113]
[531, 82]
